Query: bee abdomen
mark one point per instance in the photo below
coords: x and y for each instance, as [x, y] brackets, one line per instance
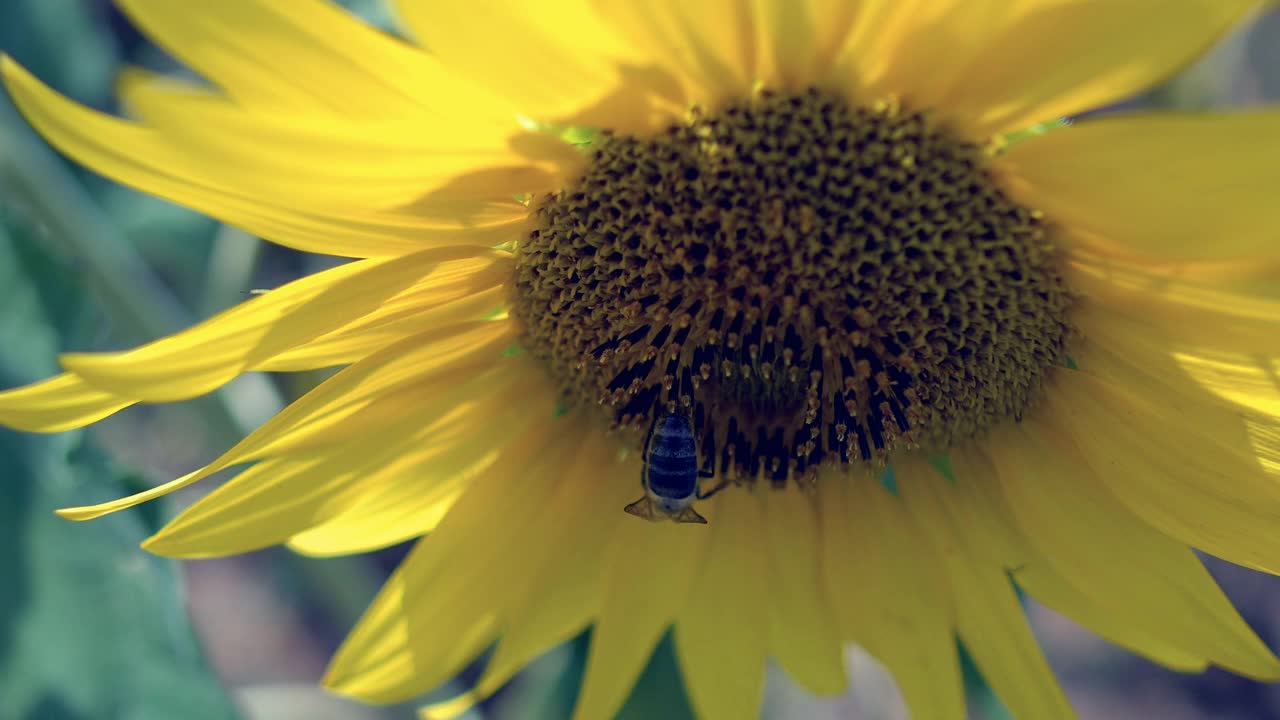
[671, 465]
[671, 478]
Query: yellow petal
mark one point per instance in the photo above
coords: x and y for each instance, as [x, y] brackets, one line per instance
[259, 506]
[312, 55]
[887, 592]
[1144, 577]
[445, 604]
[411, 491]
[60, 403]
[1228, 347]
[918, 50]
[217, 350]
[1228, 387]
[721, 633]
[800, 616]
[1175, 463]
[1039, 61]
[363, 396]
[384, 658]
[650, 569]
[973, 548]
[319, 160]
[1187, 314]
[1248, 382]
[1231, 390]
[410, 313]
[368, 396]
[997, 541]
[360, 339]
[995, 66]
[145, 159]
[554, 61]
[864, 62]
[710, 44]
[1050, 589]
[370, 491]
[1115, 183]
[563, 584]
[801, 38]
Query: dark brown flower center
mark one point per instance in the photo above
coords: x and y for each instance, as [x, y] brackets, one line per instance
[813, 282]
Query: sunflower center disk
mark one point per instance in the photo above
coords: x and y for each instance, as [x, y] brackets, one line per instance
[812, 282]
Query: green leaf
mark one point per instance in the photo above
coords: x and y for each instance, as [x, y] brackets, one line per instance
[90, 625]
[41, 33]
[659, 692]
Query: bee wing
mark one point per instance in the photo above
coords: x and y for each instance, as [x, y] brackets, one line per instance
[644, 508]
[689, 515]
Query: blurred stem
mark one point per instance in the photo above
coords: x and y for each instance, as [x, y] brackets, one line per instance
[138, 305]
[342, 586]
[233, 260]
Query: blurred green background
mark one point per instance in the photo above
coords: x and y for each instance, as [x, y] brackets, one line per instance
[92, 628]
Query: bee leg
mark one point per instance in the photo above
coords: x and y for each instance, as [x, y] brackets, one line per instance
[704, 495]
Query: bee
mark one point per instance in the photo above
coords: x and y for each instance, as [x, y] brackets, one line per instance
[671, 475]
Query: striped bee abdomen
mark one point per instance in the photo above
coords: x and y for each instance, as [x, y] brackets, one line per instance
[671, 458]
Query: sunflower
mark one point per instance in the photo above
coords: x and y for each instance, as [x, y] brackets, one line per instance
[936, 345]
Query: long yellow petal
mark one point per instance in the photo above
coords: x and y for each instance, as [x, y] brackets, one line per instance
[69, 401]
[370, 491]
[322, 160]
[917, 50]
[411, 492]
[362, 396]
[1234, 391]
[888, 594]
[649, 572]
[1051, 590]
[398, 318]
[418, 632]
[260, 506]
[1163, 313]
[1127, 350]
[710, 44]
[1150, 580]
[722, 632]
[564, 584]
[215, 351]
[995, 66]
[1229, 349]
[1245, 381]
[864, 62]
[376, 658]
[63, 402]
[1039, 61]
[1175, 464]
[800, 39]
[312, 55]
[555, 61]
[974, 549]
[395, 652]
[1115, 184]
[800, 615]
[145, 159]
[1000, 542]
